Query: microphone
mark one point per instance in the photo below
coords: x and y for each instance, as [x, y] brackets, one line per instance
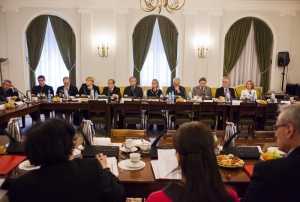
[230, 139]
[87, 142]
[158, 138]
[19, 91]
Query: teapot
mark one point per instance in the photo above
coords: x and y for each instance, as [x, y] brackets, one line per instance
[88, 130]
[13, 128]
[229, 131]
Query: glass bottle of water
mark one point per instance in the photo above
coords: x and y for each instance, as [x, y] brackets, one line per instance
[49, 96]
[96, 95]
[172, 97]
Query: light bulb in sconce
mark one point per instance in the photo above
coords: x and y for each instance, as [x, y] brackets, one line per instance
[202, 50]
[104, 50]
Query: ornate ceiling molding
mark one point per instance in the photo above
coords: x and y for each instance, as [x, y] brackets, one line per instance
[288, 13]
[10, 8]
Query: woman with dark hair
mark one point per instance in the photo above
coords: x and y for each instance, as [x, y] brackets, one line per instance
[49, 144]
[201, 179]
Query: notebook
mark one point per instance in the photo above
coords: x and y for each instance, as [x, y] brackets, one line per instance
[249, 169]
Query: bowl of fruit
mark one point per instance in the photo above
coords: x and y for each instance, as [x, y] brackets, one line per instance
[180, 100]
[56, 99]
[9, 105]
[270, 155]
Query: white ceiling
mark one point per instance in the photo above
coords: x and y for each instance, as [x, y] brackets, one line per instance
[276, 5]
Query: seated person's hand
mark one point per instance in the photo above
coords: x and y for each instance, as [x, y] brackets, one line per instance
[102, 160]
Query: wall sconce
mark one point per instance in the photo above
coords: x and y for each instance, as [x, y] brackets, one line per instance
[104, 50]
[202, 50]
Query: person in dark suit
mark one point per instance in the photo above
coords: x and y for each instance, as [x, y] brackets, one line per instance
[7, 91]
[202, 90]
[49, 144]
[111, 90]
[278, 180]
[86, 87]
[72, 91]
[176, 88]
[221, 92]
[42, 89]
[133, 89]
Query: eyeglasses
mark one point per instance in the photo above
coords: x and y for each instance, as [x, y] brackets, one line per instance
[110, 83]
[275, 127]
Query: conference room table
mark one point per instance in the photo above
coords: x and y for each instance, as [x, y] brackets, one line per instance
[140, 183]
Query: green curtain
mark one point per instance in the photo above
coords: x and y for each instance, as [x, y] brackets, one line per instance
[169, 35]
[35, 36]
[141, 39]
[263, 44]
[66, 42]
[235, 42]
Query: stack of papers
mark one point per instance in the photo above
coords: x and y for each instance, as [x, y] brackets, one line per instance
[166, 165]
[112, 164]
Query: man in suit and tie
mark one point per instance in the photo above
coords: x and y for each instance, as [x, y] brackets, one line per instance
[177, 88]
[278, 179]
[133, 89]
[7, 91]
[221, 92]
[202, 90]
[72, 91]
[111, 90]
[42, 89]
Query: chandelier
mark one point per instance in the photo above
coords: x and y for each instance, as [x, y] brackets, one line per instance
[150, 5]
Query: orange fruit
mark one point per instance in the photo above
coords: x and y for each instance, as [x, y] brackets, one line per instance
[269, 158]
[1, 149]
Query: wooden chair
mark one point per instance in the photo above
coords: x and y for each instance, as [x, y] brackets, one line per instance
[264, 134]
[207, 113]
[156, 114]
[125, 133]
[247, 115]
[271, 115]
[132, 113]
[183, 113]
[98, 113]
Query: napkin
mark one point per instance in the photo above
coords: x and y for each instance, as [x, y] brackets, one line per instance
[249, 169]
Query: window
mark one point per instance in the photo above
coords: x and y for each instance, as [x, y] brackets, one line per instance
[156, 65]
[51, 64]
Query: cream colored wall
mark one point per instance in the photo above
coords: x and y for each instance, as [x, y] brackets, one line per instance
[116, 26]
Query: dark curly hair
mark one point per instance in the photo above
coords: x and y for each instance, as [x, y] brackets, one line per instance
[49, 142]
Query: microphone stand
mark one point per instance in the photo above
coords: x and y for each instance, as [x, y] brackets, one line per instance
[134, 96]
[5, 99]
[20, 92]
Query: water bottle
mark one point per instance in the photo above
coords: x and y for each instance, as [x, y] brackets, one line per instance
[172, 97]
[49, 96]
[96, 95]
[272, 98]
[169, 98]
[253, 97]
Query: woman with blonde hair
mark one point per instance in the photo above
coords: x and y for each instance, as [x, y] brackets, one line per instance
[249, 91]
[86, 87]
[154, 91]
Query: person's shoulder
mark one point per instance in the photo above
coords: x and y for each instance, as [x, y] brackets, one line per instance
[158, 196]
[232, 193]
[207, 87]
[59, 87]
[115, 87]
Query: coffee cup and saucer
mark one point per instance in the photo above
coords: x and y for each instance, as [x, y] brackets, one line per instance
[135, 161]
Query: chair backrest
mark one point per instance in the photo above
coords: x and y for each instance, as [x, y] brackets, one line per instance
[213, 91]
[96, 106]
[122, 90]
[264, 134]
[156, 108]
[272, 109]
[187, 88]
[164, 89]
[184, 108]
[125, 133]
[247, 109]
[101, 89]
[207, 109]
[132, 107]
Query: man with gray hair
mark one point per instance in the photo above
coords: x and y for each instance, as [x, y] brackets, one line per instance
[278, 180]
[177, 88]
[133, 89]
[6, 90]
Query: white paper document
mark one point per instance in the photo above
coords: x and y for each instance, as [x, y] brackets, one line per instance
[166, 165]
[112, 164]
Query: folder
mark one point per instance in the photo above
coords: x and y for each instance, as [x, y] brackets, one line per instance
[249, 169]
[9, 162]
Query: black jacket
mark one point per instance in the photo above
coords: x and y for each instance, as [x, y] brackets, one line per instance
[85, 91]
[138, 91]
[72, 90]
[38, 89]
[181, 89]
[220, 92]
[6, 94]
[116, 91]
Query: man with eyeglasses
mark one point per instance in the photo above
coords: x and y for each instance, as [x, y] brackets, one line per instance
[176, 88]
[7, 92]
[111, 90]
[42, 89]
[202, 90]
[279, 179]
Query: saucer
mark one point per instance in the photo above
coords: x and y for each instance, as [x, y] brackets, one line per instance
[80, 147]
[135, 165]
[126, 150]
[25, 165]
[123, 165]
